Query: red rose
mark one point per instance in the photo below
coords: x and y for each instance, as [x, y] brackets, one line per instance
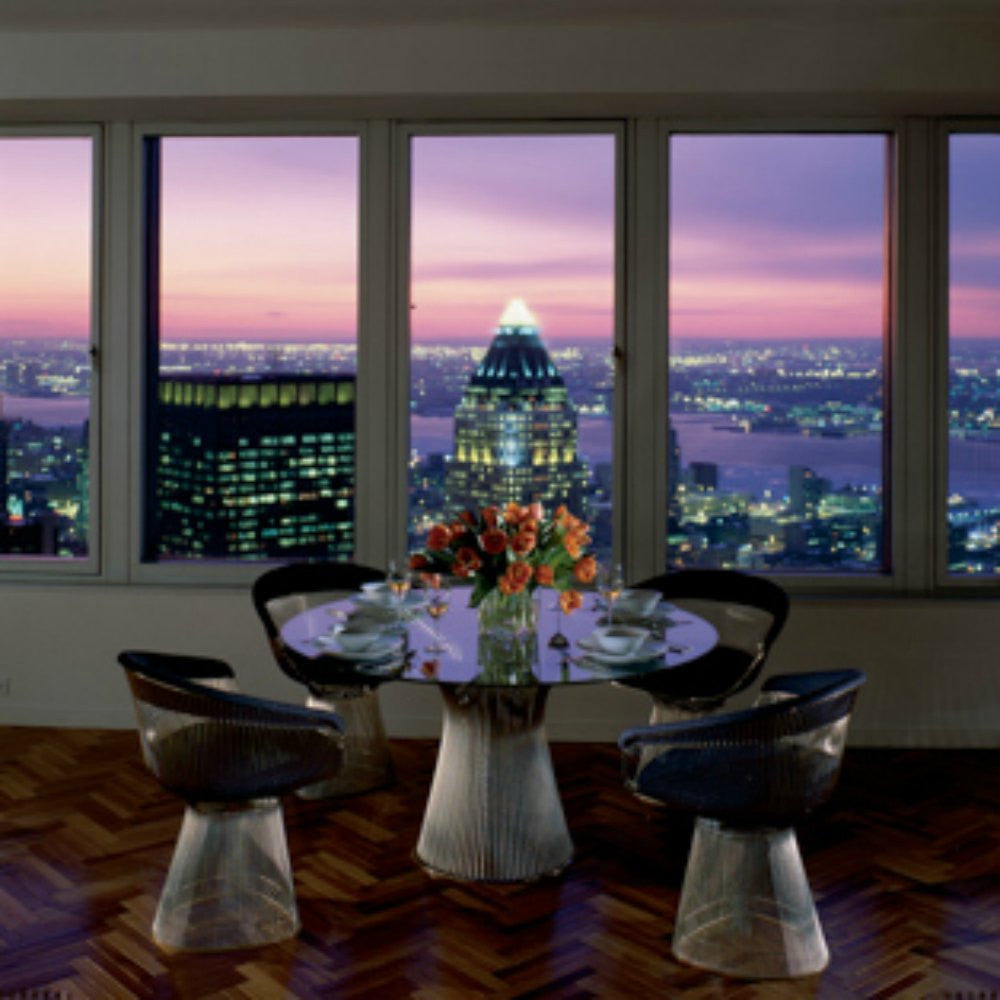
[493, 541]
[438, 538]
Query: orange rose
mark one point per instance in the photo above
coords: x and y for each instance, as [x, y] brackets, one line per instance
[569, 601]
[524, 542]
[468, 518]
[493, 541]
[466, 562]
[571, 543]
[545, 576]
[535, 511]
[513, 513]
[439, 537]
[520, 573]
[586, 569]
[507, 586]
[490, 516]
[419, 561]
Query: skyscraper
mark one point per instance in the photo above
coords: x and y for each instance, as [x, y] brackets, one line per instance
[515, 426]
[254, 467]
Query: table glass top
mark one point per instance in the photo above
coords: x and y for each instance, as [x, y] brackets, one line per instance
[413, 646]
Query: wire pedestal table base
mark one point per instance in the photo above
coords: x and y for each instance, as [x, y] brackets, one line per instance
[494, 812]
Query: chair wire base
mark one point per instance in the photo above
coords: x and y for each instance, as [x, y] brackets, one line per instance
[230, 880]
[367, 762]
[494, 812]
[746, 909]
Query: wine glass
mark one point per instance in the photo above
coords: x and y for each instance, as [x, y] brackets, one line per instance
[612, 583]
[399, 584]
[440, 600]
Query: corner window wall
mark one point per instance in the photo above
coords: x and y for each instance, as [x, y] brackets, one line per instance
[46, 309]
[778, 329]
[252, 245]
[973, 504]
[512, 323]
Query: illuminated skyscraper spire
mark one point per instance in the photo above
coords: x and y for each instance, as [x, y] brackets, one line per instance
[515, 427]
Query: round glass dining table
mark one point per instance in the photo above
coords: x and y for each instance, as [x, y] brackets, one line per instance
[493, 812]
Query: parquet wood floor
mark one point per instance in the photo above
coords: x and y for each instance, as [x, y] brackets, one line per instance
[904, 864]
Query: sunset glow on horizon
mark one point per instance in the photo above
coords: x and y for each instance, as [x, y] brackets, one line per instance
[771, 236]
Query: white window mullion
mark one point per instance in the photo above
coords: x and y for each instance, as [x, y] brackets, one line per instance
[642, 427]
[381, 409]
[916, 425]
[118, 343]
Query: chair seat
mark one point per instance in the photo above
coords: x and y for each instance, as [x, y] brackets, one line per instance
[208, 761]
[743, 785]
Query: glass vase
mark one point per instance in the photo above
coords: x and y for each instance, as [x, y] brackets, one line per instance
[508, 637]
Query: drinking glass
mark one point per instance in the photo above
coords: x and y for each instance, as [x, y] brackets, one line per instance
[399, 584]
[612, 583]
[437, 605]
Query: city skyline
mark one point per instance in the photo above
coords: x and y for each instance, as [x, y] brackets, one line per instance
[786, 262]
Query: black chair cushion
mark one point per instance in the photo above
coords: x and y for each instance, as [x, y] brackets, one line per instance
[219, 761]
[747, 785]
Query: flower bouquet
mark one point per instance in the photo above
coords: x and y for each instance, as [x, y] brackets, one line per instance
[512, 551]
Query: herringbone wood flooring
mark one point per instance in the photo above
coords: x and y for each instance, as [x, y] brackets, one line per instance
[904, 864]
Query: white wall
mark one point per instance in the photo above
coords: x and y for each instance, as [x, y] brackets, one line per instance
[830, 56]
[931, 663]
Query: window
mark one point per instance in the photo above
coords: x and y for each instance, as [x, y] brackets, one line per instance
[512, 325]
[252, 315]
[974, 355]
[778, 305]
[46, 308]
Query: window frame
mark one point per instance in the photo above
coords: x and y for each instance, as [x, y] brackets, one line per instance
[896, 406]
[404, 134]
[942, 132]
[42, 567]
[916, 356]
[208, 572]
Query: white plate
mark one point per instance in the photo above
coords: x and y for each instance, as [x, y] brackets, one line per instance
[649, 650]
[378, 650]
[411, 601]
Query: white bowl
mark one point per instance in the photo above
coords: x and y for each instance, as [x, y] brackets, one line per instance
[637, 602]
[356, 641]
[377, 591]
[620, 640]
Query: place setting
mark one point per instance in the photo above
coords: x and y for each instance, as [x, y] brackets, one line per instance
[614, 649]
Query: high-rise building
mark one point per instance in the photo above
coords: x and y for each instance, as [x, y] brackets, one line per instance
[254, 467]
[515, 426]
[704, 476]
[805, 490]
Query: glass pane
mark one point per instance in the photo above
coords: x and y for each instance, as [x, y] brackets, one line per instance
[46, 210]
[777, 319]
[253, 434]
[512, 325]
[974, 346]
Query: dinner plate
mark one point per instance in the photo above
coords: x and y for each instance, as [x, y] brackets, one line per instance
[649, 650]
[411, 601]
[378, 650]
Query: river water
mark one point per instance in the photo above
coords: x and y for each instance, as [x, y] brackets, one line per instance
[750, 463]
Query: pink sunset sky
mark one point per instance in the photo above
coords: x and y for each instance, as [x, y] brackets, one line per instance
[771, 236]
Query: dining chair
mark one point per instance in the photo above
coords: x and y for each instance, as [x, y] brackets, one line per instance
[748, 611]
[284, 591]
[230, 757]
[745, 906]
